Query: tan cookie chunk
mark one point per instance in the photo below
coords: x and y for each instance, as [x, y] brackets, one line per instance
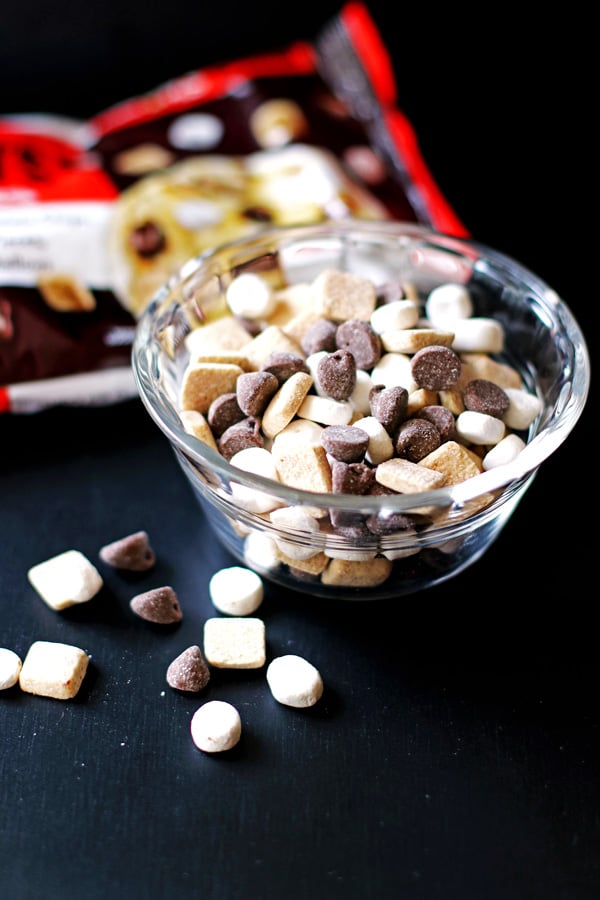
[306, 468]
[343, 295]
[267, 342]
[65, 580]
[453, 461]
[53, 670]
[411, 340]
[204, 382]
[284, 405]
[407, 477]
[480, 365]
[195, 423]
[237, 642]
[354, 573]
[314, 565]
[225, 334]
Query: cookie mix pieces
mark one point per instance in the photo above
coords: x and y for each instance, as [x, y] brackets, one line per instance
[363, 391]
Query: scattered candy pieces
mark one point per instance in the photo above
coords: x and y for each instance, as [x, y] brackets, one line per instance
[236, 591]
[188, 671]
[216, 726]
[132, 553]
[52, 669]
[235, 643]
[65, 580]
[10, 668]
[159, 605]
[294, 681]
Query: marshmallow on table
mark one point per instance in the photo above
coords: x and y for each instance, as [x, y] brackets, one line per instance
[65, 580]
[216, 726]
[235, 643]
[10, 668]
[236, 591]
[293, 681]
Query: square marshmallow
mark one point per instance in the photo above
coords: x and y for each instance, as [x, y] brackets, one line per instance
[235, 642]
[52, 669]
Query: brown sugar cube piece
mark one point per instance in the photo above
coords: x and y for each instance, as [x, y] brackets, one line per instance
[204, 382]
[236, 642]
[480, 365]
[419, 399]
[453, 461]
[52, 669]
[226, 334]
[285, 403]
[357, 573]
[132, 553]
[188, 671]
[195, 423]
[306, 468]
[342, 295]
[268, 341]
[290, 302]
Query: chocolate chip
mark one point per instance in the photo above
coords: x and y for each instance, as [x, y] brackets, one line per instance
[223, 412]
[147, 240]
[442, 418]
[160, 605]
[363, 343]
[388, 406]
[320, 335]
[416, 438]
[486, 397]
[349, 478]
[345, 442]
[380, 523]
[254, 390]
[240, 436]
[389, 292]
[283, 364]
[188, 671]
[436, 368]
[132, 553]
[336, 374]
[258, 214]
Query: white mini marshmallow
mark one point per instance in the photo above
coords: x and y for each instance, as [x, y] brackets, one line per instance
[446, 303]
[393, 369]
[359, 398]
[216, 726]
[258, 461]
[312, 361]
[326, 411]
[65, 580]
[523, 408]
[380, 443]
[250, 297]
[477, 335]
[479, 428]
[504, 452]
[395, 315]
[294, 518]
[236, 591]
[299, 431]
[260, 551]
[293, 681]
[10, 668]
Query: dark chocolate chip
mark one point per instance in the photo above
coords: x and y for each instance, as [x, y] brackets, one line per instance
[336, 374]
[388, 406]
[320, 335]
[416, 438]
[188, 671]
[345, 442]
[363, 343]
[442, 418]
[486, 397]
[254, 390]
[436, 368]
[223, 412]
[240, 436]
[160, 605]
[132, 553]
[283, 364]
[147, 240]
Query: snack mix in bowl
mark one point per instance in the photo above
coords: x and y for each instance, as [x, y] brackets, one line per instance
[359, 406]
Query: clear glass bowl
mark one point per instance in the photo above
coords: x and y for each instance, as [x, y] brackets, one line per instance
[452, 526]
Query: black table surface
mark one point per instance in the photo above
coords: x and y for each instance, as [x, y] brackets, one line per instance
[455, 752]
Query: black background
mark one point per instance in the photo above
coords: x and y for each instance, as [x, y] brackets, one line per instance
[454, 755]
